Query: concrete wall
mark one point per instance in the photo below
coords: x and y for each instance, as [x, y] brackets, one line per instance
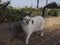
[8, 30]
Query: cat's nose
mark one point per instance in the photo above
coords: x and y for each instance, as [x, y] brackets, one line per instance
[27, 21]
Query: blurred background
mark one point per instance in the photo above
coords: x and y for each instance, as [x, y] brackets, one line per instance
[9, 9]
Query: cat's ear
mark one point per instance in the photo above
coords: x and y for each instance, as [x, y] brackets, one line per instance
[30, 14]
[22, 13]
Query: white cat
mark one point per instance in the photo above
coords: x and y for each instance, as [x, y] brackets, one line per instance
[32, 24]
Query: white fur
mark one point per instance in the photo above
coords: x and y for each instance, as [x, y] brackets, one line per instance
[38, 24]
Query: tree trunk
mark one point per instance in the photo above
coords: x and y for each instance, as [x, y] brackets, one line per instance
[37, 3]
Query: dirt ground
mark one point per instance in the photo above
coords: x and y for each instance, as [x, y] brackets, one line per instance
[51, 37]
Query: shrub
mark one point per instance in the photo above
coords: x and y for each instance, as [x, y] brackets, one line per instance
[53, 12]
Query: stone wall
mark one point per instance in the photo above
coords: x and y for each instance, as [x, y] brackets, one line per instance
[8, 30]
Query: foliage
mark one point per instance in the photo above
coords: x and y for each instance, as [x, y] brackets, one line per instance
[10, 14]
[59, 6]
[13, 14]
[33, 10]
[3, 11]
[52, 5]
[53, 12]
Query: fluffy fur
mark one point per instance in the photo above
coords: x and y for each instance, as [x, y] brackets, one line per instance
[33, 24]
[38, 24]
